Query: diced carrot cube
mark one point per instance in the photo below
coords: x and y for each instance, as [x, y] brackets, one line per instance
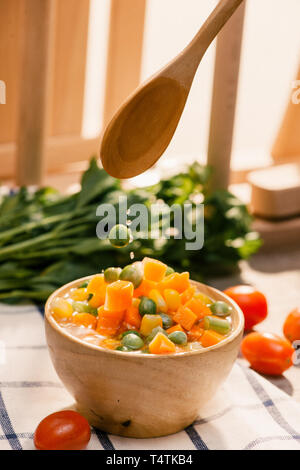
[133, 318]
[96, 289]
[196, 333]
[95, 283]
[118, 296]
[161, 345]
[174, 328]
[179, 282]
[109, 321]
[198, 307]
[185, 317]
[187, 295]
[210, 338]
[85, 319]
[154, 270]
[144, 288]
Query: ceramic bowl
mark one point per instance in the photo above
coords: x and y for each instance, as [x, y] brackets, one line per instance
[141, 395]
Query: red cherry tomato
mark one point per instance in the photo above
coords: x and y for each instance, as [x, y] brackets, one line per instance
[252, 303]
[64, 430]
[291, 327]
[267, 353]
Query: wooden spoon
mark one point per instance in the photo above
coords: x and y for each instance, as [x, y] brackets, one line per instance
[143, 127]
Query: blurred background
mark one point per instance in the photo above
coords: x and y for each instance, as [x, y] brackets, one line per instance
[86, 85]
[68, 65]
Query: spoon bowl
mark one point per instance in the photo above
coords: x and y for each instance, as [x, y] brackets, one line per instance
[143, 127]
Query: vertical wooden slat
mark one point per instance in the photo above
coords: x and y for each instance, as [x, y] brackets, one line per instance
[36, 38]
[226, 74]
[10, 23]
[71, 33]
[125, 48]
[287, 143]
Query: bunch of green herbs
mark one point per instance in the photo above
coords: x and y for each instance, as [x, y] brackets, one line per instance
[48, 239]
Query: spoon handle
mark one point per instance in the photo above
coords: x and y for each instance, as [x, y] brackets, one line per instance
[196, 49]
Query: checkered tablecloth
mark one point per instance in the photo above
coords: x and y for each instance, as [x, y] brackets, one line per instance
[248, 412]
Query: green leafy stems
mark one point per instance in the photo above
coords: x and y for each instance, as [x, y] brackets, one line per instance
[48, 239]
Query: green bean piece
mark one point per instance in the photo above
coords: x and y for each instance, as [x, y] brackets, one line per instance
[119, 236]
[132, 341]
[169, 271]
[178, 337]
[133, 273]
[147, 306]
[167, 320]
[112, 274]
[157, 329]
[81, 307]
[217, 324]
[221, 309]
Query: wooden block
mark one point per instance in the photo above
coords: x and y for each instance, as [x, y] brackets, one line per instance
[276, 191]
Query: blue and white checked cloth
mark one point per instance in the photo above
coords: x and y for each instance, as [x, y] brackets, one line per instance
[247, 413]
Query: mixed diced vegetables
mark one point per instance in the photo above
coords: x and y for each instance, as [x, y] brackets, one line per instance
[145, 307]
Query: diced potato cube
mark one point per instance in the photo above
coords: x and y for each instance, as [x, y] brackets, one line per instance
[172, 298]
[79, 295]
[62, 309]
[161, 304]
[149, 322]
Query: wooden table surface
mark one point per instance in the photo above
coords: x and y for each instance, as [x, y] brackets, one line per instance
[277, 275]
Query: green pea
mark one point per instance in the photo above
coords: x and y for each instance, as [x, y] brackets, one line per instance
[157, 329]
[133, 273]
[123, 348]
[169, 271]
[81, 307]
[112, 274]
[221, 309]
[217, 324]
[132, 341]
[147, 306]
[119, 236]
[178, 337]
[129, 332]
[167, 320]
